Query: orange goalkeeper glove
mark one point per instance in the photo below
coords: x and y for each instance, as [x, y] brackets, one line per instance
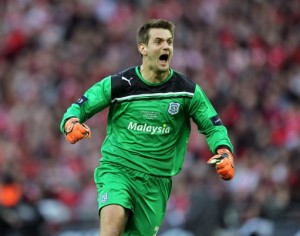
[75, 131]
[224, 163]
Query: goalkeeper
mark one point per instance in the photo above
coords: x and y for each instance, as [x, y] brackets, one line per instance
[148, 127]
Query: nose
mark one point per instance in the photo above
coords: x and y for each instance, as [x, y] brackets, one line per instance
[166, 45]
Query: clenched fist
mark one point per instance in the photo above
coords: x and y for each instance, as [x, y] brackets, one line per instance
[224, 163]
[75, 131]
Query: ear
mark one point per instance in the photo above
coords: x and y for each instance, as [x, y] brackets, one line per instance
[142, 49]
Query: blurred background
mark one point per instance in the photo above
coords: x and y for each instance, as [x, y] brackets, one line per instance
[244, 54]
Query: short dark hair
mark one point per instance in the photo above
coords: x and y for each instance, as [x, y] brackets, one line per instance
[143, 32]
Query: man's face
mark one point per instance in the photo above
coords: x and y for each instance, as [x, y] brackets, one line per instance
[159, 50]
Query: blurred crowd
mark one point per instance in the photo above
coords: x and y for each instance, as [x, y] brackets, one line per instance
[244, 54]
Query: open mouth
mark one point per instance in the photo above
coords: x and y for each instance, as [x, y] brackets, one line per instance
[164, 58]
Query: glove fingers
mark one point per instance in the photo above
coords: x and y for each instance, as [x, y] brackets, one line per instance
[223, 171]
[75, 136]
[76, 131]
[226, 173]
[71, 139]
[83, 129]
[226, 177]
[79, 131]
[78, 134]
[224, 163]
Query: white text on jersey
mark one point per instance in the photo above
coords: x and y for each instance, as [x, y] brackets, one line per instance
[149, 128]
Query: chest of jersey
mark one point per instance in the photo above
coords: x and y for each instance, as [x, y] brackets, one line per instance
[150, 108]
[151, 116]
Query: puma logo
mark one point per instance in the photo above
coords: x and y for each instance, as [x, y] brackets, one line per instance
[128, 80]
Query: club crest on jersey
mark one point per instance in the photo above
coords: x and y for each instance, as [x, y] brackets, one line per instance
[173, 108]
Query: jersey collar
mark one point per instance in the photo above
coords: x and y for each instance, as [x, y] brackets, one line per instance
[137, 70]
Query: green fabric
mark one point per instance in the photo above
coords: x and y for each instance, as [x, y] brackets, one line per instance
[145, 195]
[149, 131]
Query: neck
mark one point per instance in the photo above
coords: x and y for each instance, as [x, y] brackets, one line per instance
[153, 76]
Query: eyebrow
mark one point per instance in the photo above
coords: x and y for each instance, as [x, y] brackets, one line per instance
[163, 38]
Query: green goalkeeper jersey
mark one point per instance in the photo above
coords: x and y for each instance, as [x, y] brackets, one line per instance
[148, 125]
